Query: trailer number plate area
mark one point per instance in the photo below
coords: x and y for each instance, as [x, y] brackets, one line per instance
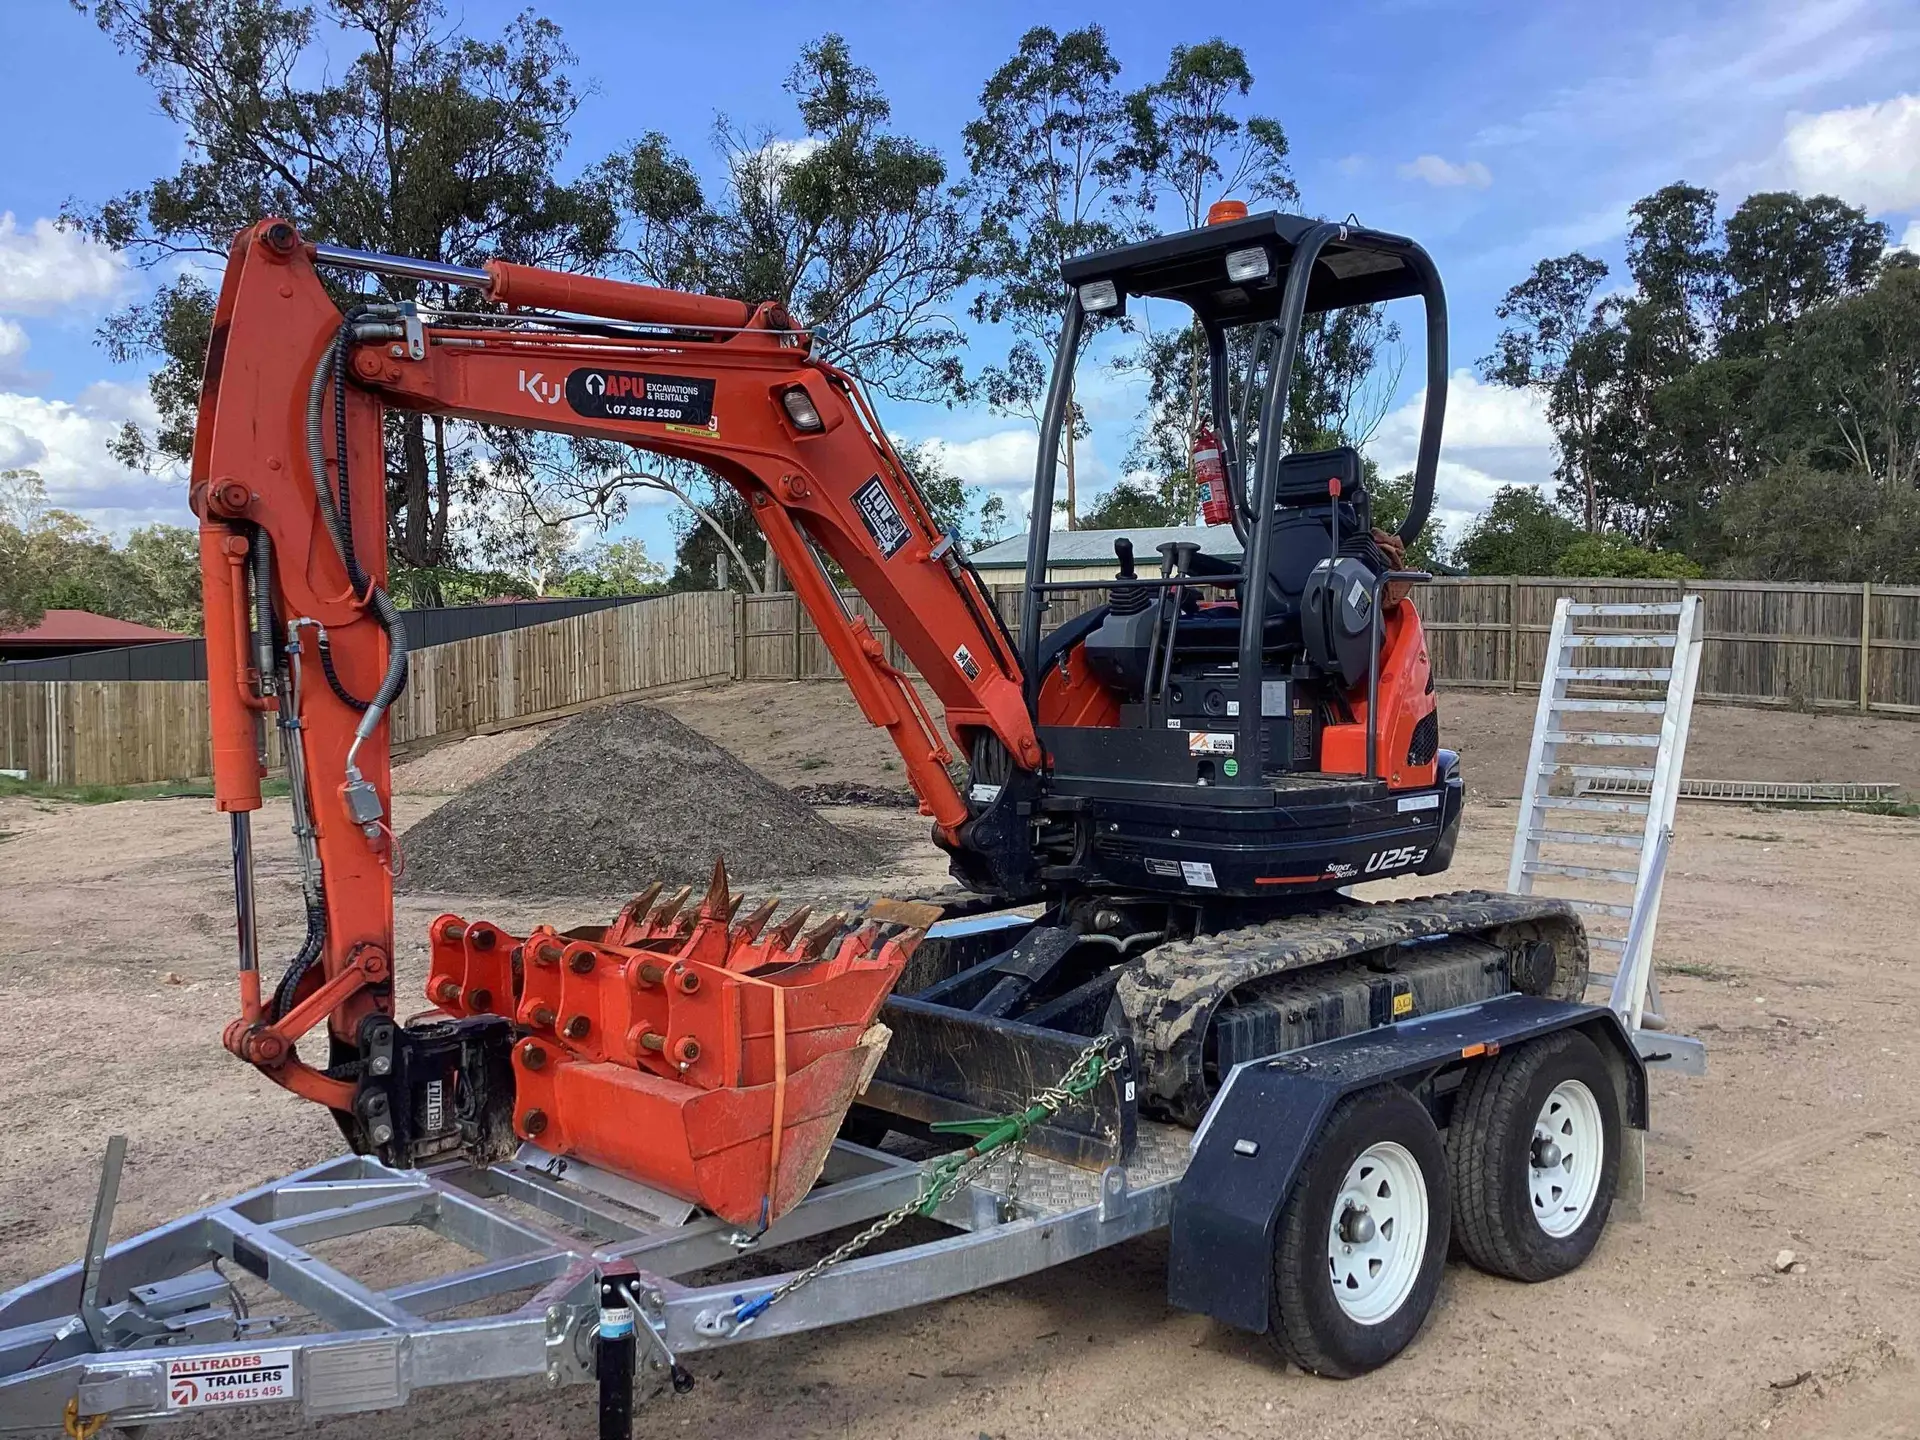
[244, 1379]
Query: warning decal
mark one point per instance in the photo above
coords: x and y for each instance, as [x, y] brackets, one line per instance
[1210, 742]
[242, 1379]
[881, 517]
[631, 395]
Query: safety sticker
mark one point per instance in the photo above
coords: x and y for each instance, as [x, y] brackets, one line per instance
[882, 519]
[1168, 868]
[632, 395]
[1419, 802]
[1403, 1004]
[245, 1379]
[708, 431]
[963, 657]
[1209, 742]
[1198, 872]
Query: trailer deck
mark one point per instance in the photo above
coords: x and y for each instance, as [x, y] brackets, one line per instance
[541, 1231]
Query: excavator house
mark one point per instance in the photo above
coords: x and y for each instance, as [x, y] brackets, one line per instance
[1152, 981]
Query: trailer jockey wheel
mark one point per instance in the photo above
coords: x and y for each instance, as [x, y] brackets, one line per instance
[1363, 1238]
[1534, 1154]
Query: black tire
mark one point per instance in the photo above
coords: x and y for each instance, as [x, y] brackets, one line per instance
[1309, 1325]
[1490, 1149]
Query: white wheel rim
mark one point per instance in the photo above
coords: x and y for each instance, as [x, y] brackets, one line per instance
[1378, 1235]
[1565, 1158]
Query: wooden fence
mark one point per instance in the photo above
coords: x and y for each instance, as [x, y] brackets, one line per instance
[1854, 647]
[119, 732]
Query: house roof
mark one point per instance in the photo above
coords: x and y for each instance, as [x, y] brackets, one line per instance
[83, 627]
[1095, 547]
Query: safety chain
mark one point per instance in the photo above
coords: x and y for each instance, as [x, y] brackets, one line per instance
[949, 1174]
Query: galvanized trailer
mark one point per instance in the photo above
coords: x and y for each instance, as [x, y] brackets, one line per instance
[564, 1258]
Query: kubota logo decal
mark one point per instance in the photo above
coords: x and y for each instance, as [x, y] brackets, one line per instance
[547, 392]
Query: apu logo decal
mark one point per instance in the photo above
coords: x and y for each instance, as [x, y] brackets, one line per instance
[547, 392]
[1395, 859]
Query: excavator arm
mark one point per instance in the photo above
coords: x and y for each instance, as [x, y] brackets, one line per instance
[289, 482]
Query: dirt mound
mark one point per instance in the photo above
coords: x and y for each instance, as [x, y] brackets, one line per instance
[851, 792]
[614, 799]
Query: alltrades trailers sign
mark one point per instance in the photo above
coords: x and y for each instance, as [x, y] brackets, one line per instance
[241, 1379]
[631, 395]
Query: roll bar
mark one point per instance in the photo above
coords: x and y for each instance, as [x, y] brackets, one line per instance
[1252, 512]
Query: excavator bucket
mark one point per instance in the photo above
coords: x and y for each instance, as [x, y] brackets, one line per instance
[698, 1049]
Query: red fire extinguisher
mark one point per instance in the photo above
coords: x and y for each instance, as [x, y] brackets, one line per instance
[1210, 470]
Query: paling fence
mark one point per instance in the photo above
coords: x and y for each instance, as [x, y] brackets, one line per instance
[1853, 647]
[1839, 647]
[118, 732]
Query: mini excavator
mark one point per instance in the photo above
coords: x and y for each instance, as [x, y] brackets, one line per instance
[1161, 800]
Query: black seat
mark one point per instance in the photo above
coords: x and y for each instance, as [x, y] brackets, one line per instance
[1308, 478]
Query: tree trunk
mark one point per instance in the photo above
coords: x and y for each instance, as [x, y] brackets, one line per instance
[413, 460]
[442, 487]
[1072, 496]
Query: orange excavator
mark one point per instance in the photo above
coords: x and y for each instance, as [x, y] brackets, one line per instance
[1163, 799]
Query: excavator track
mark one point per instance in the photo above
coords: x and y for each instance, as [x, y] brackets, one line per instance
[1170, 997]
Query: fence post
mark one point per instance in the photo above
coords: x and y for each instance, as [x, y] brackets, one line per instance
[799, 614]
[1866, 644]
[1513, 635]
[739, 635]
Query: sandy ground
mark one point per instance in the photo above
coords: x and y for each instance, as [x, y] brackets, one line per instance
[1786, 942]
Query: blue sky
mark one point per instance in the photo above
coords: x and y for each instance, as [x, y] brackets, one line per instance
[1496, 133]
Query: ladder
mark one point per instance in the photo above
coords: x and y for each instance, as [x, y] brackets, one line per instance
[1603, 777]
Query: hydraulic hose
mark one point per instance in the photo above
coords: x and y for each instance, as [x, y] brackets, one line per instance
[337, 514]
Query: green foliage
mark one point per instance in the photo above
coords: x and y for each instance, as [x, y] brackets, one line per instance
[426, 588]
[1053, 175]
[51, 559]
[1779, 349]
[851, 228]
[1391, 499]
[1616, 557]
[613, 567]
[370, 123]
[1129, 505]
[1519, 533]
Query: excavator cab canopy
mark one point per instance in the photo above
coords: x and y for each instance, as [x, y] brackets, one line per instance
[1235, 273]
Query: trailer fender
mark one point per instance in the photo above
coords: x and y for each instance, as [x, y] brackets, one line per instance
[1247, 1151]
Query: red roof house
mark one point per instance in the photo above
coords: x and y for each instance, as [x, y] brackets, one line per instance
[75, 632]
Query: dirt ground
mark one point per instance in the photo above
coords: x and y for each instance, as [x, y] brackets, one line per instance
[1785, 940]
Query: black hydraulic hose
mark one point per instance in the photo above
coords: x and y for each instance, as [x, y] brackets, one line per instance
[340, 691]
[284, 994]
[337, 513]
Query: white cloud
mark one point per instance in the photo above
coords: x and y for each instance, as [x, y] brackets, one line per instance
[13, 353]
[46, 269]
[1493, 436]
[1866, 154]
[1002, 460]
[1445, 174]
[66, 441]
[1910, 242]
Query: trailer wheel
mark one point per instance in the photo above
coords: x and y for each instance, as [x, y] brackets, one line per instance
[1534, 1155]
[1362, 1240]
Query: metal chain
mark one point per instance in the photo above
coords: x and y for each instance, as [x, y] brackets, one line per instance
[944, 1178]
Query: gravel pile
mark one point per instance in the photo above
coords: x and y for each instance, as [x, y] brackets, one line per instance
[616, 798]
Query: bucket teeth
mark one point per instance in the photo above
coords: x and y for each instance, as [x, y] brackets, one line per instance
[814, 943]
[749, 929]
[670, 907]
[784, 933]
[718, 902]
[636, 909]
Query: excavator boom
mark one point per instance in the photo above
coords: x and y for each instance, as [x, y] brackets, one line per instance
[289, 482]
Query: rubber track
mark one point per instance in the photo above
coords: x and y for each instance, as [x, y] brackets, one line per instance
[1170, 994]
